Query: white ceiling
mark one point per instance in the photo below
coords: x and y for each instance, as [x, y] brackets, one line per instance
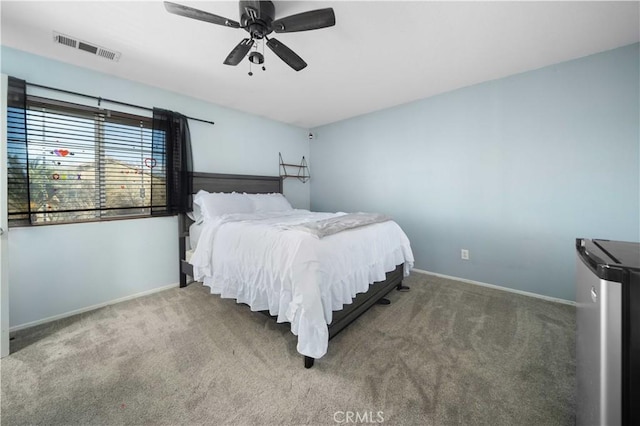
[379, 54]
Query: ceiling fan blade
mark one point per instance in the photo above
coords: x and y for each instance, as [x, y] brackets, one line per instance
[286, 54]
[239, 52]
[305, 21]
[189, 12]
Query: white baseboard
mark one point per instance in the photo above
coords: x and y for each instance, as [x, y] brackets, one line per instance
[497, 287]
[91, 308]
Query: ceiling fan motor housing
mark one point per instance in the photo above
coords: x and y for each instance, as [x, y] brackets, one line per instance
[256, 17]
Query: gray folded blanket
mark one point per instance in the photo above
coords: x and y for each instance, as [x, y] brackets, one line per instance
[326, 227]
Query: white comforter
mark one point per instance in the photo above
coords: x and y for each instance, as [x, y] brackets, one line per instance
[297, 276]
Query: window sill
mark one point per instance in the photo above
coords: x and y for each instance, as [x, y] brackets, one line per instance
[26, 224]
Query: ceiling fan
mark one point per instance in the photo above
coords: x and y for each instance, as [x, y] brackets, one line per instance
[257, 18]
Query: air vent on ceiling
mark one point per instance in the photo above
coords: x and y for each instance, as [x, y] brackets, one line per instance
[92, 48]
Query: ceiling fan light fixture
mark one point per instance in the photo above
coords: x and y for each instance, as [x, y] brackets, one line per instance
[256, 58]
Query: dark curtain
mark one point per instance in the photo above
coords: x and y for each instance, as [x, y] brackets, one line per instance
[171, 184]
[17, 152]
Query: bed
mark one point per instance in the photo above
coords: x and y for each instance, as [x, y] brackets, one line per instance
[300, 269]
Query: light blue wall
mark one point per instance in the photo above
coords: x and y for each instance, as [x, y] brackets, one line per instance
[54, 270]
[513, 170]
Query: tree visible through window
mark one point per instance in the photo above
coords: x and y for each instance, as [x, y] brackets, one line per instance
[70, 163]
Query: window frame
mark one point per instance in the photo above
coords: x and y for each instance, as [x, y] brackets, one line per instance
[101, 118]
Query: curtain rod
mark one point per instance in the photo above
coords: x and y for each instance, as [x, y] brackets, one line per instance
[99, 99]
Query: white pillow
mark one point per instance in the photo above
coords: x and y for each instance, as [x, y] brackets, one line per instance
[274, 202]
[219, 203]
[196, 214]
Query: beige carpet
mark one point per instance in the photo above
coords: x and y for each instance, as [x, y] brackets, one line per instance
[444, 353]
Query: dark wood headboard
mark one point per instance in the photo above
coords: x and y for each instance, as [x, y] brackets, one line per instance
[217, 182]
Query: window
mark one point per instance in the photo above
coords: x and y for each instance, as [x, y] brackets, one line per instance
[73, 163]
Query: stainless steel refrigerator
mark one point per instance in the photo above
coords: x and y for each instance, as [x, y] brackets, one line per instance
[608, 332]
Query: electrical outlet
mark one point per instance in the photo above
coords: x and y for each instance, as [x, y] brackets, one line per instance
[464, 254]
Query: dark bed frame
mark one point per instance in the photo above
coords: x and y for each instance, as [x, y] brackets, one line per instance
[215, 182]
